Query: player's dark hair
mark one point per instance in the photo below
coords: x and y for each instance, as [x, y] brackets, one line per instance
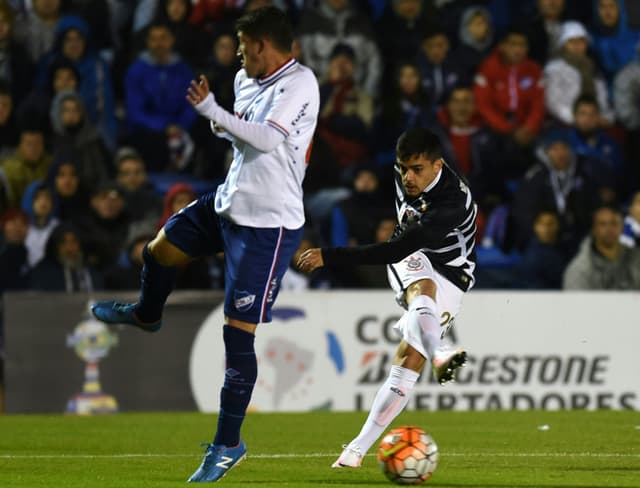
[585, 98]
[417, 141]
[267, 23]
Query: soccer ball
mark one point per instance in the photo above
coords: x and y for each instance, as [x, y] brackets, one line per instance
[408, 455]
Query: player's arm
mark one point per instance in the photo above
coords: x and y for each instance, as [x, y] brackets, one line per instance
[262, 137]
[411, 240]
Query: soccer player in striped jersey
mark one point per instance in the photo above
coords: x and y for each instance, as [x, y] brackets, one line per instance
[256, 215]
[430, 260]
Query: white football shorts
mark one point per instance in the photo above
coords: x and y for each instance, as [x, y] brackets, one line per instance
[448, 300]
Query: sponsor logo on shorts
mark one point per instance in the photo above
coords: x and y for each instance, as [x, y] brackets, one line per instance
[272, 289]
[414, 264]
[243, 300]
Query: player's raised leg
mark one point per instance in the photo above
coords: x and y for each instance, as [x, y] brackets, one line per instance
[157, 279]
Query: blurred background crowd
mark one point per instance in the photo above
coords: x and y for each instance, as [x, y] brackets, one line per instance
[536, 102]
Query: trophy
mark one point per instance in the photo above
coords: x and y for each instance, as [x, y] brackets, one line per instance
[91, 341]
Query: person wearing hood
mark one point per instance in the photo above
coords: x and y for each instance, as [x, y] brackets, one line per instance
[614, 42]
[335, 22]
[603, 262]
[157, 110]
[573, 73]
[73, 42]
[559, 181]
[39, 204]
[64, 267]
[476, 38]
[74, 134]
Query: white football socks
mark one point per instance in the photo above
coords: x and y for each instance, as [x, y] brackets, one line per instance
[391, 398]
[424, 308]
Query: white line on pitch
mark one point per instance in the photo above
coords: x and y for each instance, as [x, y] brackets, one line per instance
[322, 455]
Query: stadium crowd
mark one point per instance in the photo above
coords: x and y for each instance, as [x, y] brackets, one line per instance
[536, 103]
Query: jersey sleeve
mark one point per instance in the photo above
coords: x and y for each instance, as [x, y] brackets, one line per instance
[295, 105]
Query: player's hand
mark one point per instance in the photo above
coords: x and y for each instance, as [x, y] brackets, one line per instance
[198, 91]
[310, 260]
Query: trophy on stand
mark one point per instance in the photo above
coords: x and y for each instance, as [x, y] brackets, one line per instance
[91, 340]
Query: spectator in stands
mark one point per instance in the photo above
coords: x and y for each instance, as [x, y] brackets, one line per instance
[573, 73]
[631, 233]
[64, 182]
[73, 133]
[354, 219]
[39, 205]
[603, 262]
[544, 30]
[220, 70]
[105, 229]
[63, 75]
[470, 148]
[73, 42]
[99, 17]
[346, 110]
[509, 92]
[190, 41]
[157, 110]
[439, 70]
[64, 267]
[142, 201]
[614, 42]
[16, 67]
[36, 28]
[335, 22]
[295, 279]
[178, 196]
[476, 37]
[399, 31]
[405, 105]
[13, 252]
[590, 140]
[560, 182]
[8, 128]
[543, 260]
[29, 163]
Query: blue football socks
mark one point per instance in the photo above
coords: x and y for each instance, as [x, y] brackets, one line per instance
[240, 377]
[156, 285]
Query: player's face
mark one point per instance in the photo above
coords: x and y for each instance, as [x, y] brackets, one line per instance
[249, 52]
[418, 173]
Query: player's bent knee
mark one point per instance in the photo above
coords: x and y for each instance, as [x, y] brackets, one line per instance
[421, 287]
[166, 253]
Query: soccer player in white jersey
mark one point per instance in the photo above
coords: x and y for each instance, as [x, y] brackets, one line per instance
[431, 261]
[256, 216]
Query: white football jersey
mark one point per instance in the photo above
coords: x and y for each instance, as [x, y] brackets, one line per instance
[265, 189]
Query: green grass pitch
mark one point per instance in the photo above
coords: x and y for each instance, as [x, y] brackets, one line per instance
[477, 449]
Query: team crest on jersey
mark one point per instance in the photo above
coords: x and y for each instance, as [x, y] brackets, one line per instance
[243, 300]
[414, 264]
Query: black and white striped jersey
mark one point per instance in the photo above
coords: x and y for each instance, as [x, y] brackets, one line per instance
[445, 217]
[441, 223]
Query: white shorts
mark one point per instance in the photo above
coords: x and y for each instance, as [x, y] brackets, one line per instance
[448, 300]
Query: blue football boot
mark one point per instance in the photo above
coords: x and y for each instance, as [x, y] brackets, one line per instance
[217, 461]
[112, 312]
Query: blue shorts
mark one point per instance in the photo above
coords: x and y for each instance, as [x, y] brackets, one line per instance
[255, 258]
